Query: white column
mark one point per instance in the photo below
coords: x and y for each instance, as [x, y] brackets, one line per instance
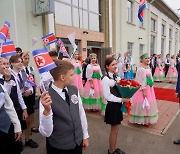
[51, 27]
[158, 45]
[110, 23]
[167, 39]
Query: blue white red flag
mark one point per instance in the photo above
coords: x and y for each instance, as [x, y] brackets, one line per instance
[31, 80]
[49, 39]
[142, 7]
[62, 48]
[4, 31]
[7, 49]
[43, 61]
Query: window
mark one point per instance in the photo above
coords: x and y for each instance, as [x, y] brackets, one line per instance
[153, 25]
[152, 50]
[170, 33]
[176, 35]
[130, 47]
[141, 49]
[163, 29]
[162, 46]
[130, 11]
[170, 46]
[78, 13]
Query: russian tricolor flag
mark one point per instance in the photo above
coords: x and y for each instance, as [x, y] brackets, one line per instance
[49, 39]
[7, 49]
[142, 7]
[43, 61]
[62, 48]
[4, 31]
[31, 80]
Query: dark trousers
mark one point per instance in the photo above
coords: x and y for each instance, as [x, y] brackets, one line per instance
[52, 150]
[153, 70]
[166, 69]
[8, 144]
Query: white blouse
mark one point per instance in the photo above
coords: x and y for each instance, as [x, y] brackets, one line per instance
[106, 84]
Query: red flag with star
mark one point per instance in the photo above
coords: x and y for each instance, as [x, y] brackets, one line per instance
[43, 61]
[49, 39]
[31, 80]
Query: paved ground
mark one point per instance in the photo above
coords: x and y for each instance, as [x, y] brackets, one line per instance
[133, 139]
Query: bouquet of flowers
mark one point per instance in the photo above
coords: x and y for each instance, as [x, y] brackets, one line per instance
[127, 88]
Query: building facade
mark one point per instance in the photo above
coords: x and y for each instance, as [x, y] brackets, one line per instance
[158, 33]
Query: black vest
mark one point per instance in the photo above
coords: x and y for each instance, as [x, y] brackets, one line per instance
[14, 95]
[67, 130]
[5, 121]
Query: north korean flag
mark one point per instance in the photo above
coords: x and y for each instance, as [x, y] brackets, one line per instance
[7, 49]
[43, 61]
[62, 48]
[31, 80]
[4, 31]
[49, 39]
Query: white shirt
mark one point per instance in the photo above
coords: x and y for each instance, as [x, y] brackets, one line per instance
[7, 84]
[106, 84]
[46, 122]
[19, 93]
[9, 108]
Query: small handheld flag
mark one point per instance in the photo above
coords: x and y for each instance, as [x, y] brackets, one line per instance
[142, 7]
[62, 48]
[34, 40]
[31, 80]
[49, 39]
[7, 49]
[71, 38]
[43, 61]
[4, 31]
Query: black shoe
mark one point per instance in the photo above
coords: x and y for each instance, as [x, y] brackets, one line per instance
[31, 144]
[35, 130]
[119, 151]
[177, 142]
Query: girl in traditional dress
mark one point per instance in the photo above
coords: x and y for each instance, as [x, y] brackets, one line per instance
[172, 71]
[159, 72]
[92, 97]
[77, 72]
[128, 67]
[144, 109]
[113, 113]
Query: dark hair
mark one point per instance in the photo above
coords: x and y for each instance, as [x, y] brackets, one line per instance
[18, 49]
[108, 61]
[53, 53]
[14, 59]
[62, 68]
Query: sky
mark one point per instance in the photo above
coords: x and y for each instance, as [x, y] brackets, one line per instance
[174, 5]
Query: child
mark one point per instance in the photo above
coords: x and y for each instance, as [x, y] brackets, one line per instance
[77, 72]
[172, 71]
[148, 114]
[62, 117]
[113, 113]
[92, 97]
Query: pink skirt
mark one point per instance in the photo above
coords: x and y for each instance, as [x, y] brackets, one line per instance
[140, 115]
[172, 74]
[158, 74]
[78, 83]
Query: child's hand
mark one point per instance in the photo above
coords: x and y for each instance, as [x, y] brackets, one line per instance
[125, 99]
[46, 102]
[85, 144]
